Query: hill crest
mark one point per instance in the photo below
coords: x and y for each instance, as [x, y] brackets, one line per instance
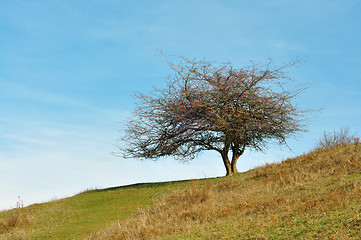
[315, 195]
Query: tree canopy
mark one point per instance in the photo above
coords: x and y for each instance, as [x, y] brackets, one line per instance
[210, 106]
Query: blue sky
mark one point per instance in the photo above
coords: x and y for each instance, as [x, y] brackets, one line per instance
[68, 70]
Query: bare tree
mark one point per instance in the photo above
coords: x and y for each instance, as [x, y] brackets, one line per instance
[337, 138]
[209, 106]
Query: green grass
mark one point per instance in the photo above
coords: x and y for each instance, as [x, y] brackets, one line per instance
[76, 217]
[316, 195]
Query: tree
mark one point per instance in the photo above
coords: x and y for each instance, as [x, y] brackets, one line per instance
[337, 138]
[209, 106]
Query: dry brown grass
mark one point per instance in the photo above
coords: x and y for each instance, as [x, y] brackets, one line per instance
[16, 220]
[9, 228]
[307, 186]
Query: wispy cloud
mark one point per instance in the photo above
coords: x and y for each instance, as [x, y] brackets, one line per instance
[25, 92]
[36, 141]
[10, 90]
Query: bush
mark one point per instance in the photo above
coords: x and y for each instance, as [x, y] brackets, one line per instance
[337, 138]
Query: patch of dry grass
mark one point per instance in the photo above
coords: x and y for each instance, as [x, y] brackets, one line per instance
[316, 195]
[17, 219]
[279, 199]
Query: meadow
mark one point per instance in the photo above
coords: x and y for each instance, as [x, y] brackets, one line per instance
[315, 195]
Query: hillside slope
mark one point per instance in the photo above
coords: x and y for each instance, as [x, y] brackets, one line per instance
[316, 195]
[78, 216]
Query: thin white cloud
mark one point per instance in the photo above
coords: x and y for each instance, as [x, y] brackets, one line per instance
[27, 93]
[24, 92]
[36, 141]
[55, 132]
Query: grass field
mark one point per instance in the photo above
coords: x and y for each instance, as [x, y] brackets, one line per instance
[316, 195]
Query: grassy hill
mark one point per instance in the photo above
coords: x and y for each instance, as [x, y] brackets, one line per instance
[316, 195]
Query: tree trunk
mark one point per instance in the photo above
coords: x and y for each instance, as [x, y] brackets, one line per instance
[237, 151]
[227, 163]
[235, 157]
